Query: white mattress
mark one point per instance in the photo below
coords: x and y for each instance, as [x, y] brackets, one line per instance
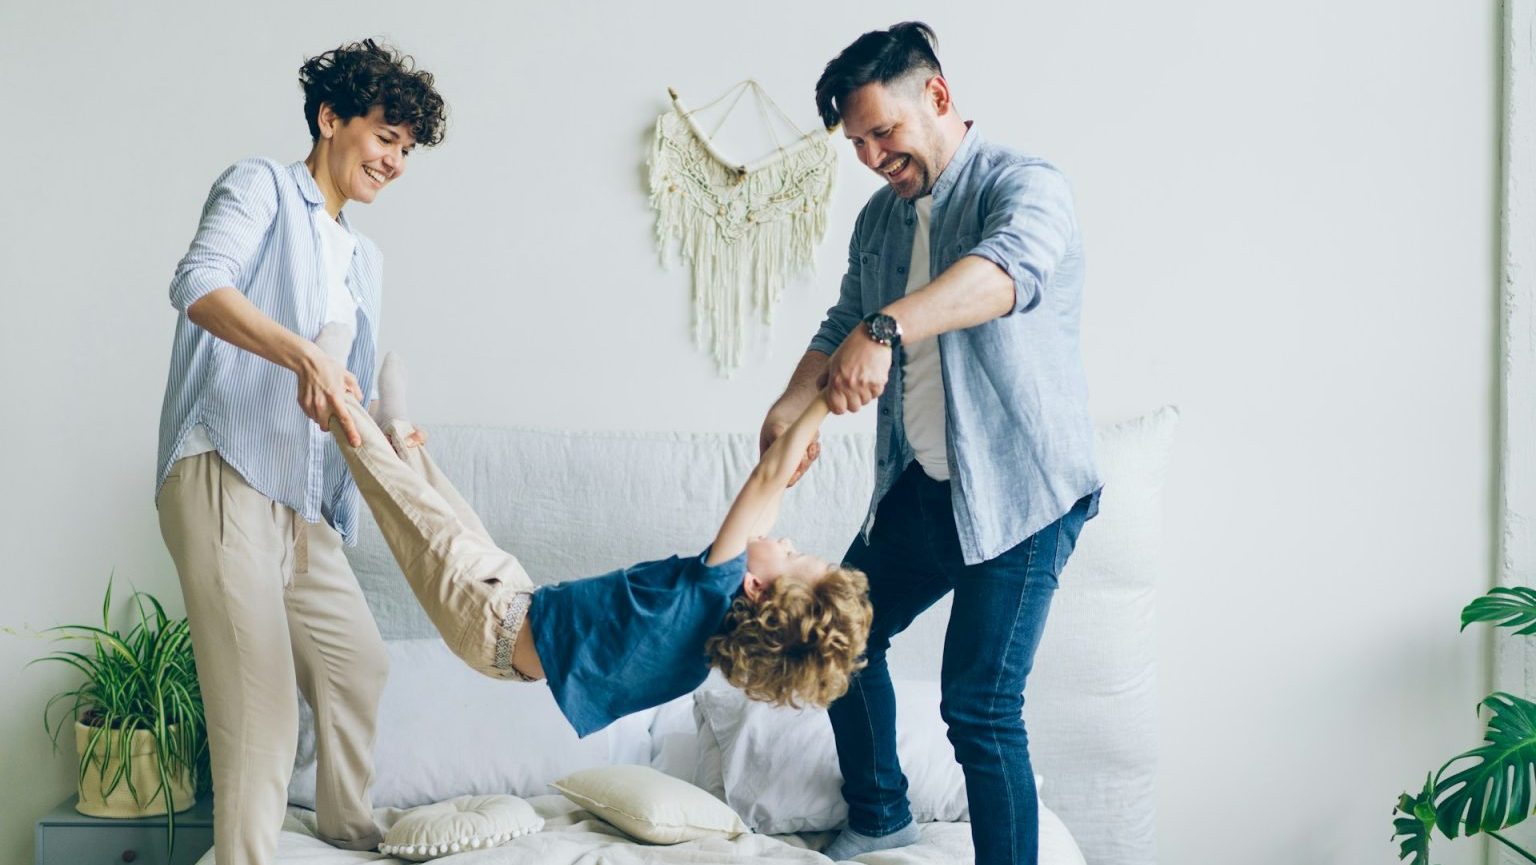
[572, 836]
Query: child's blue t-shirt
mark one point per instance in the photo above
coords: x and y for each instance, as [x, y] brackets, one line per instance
[630, 639]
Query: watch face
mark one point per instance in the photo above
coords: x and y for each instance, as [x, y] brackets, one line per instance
[882, 328]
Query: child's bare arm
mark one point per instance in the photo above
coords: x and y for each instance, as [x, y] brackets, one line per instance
[757, 505]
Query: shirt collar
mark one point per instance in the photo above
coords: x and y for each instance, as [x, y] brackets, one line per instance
[306, 183]
[311, 191]
[956, 165]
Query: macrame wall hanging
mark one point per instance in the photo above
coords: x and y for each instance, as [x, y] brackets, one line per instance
[743, 228]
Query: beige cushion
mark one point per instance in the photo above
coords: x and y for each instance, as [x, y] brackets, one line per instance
[645, 804]
[457, 825]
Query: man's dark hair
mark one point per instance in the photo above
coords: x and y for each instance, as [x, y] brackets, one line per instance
[354, 78]
[877, 57]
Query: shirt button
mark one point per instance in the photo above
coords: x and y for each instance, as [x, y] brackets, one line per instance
[885, 411]
[879, 462]
[901, 268]
[909, 220]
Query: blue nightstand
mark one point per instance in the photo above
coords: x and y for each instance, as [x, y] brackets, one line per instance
[67, 837]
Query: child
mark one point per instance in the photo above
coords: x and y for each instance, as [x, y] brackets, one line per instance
[783, 626]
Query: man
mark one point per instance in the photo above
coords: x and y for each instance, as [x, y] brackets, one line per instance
[254, 499]
[959, 311]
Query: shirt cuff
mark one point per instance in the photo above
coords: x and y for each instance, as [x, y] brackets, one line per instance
[825, 343]
[193, 285]
[1026, 285]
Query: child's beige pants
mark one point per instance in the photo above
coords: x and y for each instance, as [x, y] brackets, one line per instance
[475, 593]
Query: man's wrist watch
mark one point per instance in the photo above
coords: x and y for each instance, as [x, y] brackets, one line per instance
[883, 329]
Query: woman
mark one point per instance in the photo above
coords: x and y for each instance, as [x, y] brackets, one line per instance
[254, 500]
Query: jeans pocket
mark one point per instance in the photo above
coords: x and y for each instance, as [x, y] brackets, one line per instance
[1065, 542]
[1068, 528]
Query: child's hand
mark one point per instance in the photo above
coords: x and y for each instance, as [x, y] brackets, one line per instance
[772, 429]
[811, 453]
[414, 439]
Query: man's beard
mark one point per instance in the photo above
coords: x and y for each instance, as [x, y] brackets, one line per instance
[922, 181]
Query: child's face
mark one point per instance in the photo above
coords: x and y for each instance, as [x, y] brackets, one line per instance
[772, 559]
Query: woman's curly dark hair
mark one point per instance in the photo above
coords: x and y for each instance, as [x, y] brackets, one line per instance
[799, 642]
[354, 78]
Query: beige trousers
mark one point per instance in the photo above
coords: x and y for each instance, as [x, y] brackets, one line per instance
[272, 603]
[474, 592]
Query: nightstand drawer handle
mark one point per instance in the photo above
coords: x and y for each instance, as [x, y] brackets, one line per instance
[130, 855]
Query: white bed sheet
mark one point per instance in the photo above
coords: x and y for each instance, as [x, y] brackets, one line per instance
[572, 836]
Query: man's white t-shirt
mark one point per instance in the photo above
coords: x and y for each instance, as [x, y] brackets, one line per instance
[338, 245]
[922, 391]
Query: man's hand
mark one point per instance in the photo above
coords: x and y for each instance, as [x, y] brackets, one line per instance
[323, 387]
[857, 372]
[773, 427]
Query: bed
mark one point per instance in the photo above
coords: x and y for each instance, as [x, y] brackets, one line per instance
[572, 504]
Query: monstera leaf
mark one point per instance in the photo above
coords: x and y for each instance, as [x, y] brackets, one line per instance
[1416, 824]
[1491, 785]
[1493, 788]
[1507, 607]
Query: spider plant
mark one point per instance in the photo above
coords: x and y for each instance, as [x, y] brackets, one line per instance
[144, 679]
[1487, 788]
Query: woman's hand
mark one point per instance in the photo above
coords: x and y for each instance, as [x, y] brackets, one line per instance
[324, 385]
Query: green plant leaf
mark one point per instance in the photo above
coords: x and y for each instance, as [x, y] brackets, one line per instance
[1492, 790]
[1513, 847]
[1416, 824]
[1506, 607]
[144, 678]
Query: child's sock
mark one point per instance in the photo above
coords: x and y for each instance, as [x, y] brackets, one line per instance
[335, 339]
[391, 405]
[849, 843]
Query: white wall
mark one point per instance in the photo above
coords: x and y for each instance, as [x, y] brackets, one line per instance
[1291, 214]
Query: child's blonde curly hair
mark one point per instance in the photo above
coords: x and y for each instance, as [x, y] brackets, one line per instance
[798, 642]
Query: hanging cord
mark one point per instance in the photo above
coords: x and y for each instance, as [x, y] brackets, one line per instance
[763, 101]
[739, 90]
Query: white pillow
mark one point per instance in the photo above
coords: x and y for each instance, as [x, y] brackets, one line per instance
[458, 825]
[446, 731]
[675, 742]
[1091, 701]
[645, 804]
[777, 767]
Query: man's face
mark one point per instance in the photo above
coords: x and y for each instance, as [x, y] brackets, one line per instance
[366, 153]
[894, 130]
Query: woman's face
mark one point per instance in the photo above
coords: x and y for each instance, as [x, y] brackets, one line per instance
[361, 156]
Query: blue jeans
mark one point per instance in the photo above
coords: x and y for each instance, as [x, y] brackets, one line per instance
[998, 614]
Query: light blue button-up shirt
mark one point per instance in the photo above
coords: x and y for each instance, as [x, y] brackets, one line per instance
[258, 235]
[1020, 440]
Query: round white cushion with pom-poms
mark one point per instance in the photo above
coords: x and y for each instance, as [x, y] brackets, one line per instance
[465, 823]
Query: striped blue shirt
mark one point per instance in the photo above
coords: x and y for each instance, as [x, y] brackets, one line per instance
[1019, 438]
[258, 235]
